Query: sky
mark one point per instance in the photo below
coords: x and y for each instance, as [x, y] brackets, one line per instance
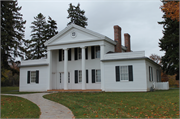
[139, 18]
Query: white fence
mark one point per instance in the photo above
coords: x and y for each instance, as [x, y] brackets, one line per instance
[162, 85]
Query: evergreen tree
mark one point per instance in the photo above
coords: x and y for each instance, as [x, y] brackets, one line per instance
[77, 15]
[36, 47]
[170, 44]
[12, 34]
[51, 28]
[41, 32]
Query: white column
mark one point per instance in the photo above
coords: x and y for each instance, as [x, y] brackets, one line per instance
[83, 69]
[102, 67]
[65, 68]
[49, 57]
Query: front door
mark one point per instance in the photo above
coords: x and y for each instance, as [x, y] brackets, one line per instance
[60, 83]
[54, 86]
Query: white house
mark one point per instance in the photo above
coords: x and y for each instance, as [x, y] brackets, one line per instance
[79, 58]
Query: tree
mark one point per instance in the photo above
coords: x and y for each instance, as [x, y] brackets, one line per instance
[36, 47]
[51, 28]
[155, 58]
[171, 9]
[170, 44]
[77, 15]
[41, 32]
[12, 34]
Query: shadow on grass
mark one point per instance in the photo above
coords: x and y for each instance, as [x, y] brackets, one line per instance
[13, 90]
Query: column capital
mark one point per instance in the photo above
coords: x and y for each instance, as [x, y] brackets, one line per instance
[65, 48]
[102, 45]
[83, 47]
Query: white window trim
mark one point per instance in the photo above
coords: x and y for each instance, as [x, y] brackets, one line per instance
[31, 77]
[151, 74]
[95, 56]
[121, 73]
[69, 77]
[79, 75]
[95, 75]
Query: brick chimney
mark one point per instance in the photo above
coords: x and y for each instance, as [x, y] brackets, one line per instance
[127, 42]
[117, 38]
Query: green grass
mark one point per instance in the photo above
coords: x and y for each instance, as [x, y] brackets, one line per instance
[120, 105]
[16, 107]
[13, 90]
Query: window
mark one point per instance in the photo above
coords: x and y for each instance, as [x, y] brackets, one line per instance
[63, 55]
[68, 77]
[97, 52]
[96, 75]
[150, 73]
[79, 53]
[78, 76]
[33, 76]
[73, 34]
[158, 75]
[124, 73]
[60, 77]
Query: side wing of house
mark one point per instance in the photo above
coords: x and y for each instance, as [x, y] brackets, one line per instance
[34, 75]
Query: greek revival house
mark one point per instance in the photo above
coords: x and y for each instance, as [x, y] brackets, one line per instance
[78, 58]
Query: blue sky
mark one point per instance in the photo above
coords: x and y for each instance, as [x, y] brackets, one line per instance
[139, 18]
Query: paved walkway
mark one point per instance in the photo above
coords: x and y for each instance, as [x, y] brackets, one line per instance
[49, 109]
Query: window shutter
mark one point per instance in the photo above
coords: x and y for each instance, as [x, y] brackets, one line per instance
[76, 76]
[75, 53]
[149, 73]
[28, 76]
[130, 68]
[87, 53]
[60, 55]
[69, 55]
[92, 52]
[37, 76]
[93, 75]
[117, 73]
[152, 73]
[86, 76]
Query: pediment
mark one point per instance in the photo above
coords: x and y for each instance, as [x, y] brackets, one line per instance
[74, 33]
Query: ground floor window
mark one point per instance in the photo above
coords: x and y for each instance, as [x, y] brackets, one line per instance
[78, 76]
[60, 77]
[68, 77]
[124, 73]
[158, 74]
[150, 73]
[33, 76]
[96, 75]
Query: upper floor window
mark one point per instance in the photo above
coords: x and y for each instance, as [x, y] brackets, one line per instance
[61, 55]
[79, 53]
[95, 52]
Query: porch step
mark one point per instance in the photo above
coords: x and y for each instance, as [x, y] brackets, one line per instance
[75, 90]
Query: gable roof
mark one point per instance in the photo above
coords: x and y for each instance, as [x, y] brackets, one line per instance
[72, 25]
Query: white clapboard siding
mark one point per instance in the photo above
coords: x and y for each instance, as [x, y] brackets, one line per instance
[124, 55]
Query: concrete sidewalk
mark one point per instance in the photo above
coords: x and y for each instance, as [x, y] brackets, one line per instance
[49, 109]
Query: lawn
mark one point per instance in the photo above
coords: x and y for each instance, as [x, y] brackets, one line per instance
[13, 90]
[16, 107]
[158, 104]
